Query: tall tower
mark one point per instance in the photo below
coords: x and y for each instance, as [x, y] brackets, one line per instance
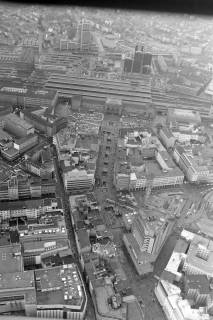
[41, 33]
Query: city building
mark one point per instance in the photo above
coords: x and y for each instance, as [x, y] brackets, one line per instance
[27, 97]
[184, 116]
[145, 242]
[167, 137]
[26, 143]
[78, 180]
[174, 306]
[143, 161]
[60, 293]
[195, 163]
[46, 123]
[17, 126]
[30, 209]
[23, 188]
[40, 253]
[10, 153]
[18, 292]
[42, 165]
[185, 286]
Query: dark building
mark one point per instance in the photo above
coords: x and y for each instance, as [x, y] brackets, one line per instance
[136, 67]
[128, 64]
[146, 63]
[48, 124]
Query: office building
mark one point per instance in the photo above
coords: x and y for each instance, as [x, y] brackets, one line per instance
[167, 137]
[48, 123]
[29, 209]
[60, 293]
[17, 188]
[185, 286]
[137, 62]
[17, 126]
[145, 242]
[25, 96]
[41, 252]
[146, 63]
[26, 143]
[41, 165]
[10, 153]
[11, 259]
[78, 180]
[17, 292]
[174, 306]
[196, 163]
[128, 62]
[143, 161]
[184, 116]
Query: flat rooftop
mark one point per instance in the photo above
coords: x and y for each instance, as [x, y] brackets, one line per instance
[60, 285]
[11, 259]
[17, 280]
[42, 245]
[27, 92]
[102, 294]
[139, 91]
[203, 262]
[21, 122]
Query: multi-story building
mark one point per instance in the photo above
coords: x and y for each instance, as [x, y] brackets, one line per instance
[145, 242]
[27, 97]
[174, 306]
[184, 116]
[31, 209]
[25, 143]
[43, 164]
[147, 161]
[185, 287]
[18, 292]
[26, 188]
[167, 137]
[55, 292]
[196, 167]
[47, 123]
[78, 180]
[37, 252]
[17, 126]
[60, 293]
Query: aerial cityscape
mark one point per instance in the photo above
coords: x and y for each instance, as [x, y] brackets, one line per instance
[106, 164]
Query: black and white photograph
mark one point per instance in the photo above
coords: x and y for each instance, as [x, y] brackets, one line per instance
[106, 163]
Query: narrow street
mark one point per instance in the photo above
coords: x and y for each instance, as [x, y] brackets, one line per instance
[67, 215]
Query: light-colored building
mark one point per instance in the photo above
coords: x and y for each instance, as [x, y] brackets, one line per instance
[167, 137]
[78, 180]
[181, 115]
[174, 306]
[196, 167]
